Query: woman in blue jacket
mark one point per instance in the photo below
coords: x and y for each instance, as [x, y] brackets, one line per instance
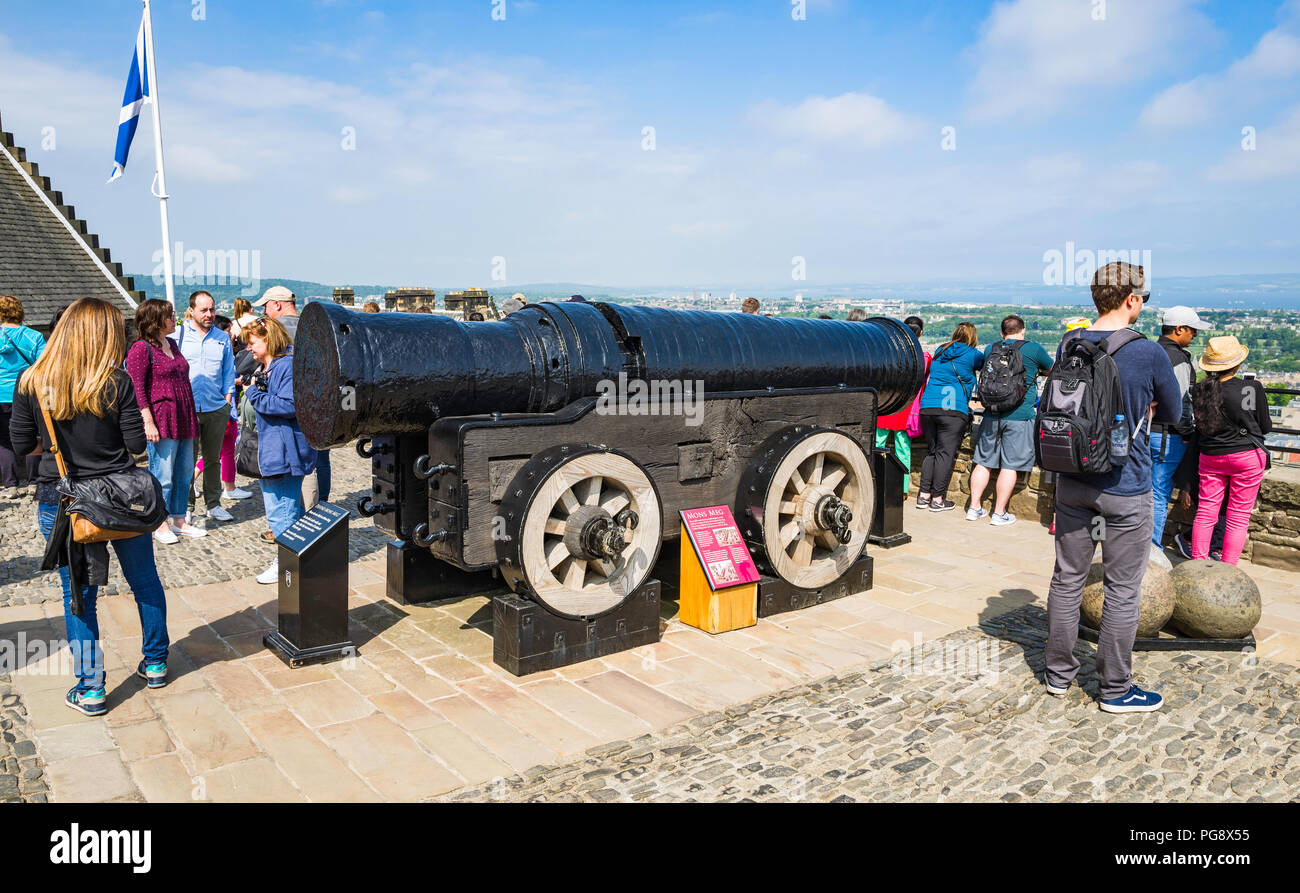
[20, 347]
[283, 454]
[945, 413]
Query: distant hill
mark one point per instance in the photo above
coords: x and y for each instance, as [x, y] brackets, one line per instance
[1280, 291]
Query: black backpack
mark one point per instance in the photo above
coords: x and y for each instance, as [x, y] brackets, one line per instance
[1002, 386]
[1081, 398]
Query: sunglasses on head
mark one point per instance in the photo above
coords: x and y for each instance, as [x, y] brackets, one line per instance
[1144, 294]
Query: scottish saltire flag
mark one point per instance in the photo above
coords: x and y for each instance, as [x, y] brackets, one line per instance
[137, 94]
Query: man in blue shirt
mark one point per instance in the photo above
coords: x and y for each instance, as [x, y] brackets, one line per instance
[1006, 440]
[212, 378]
[1113, 509]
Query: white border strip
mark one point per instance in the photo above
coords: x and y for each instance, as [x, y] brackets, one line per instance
[99, 262]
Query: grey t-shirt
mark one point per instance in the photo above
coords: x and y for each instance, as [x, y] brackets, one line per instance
[290, 324]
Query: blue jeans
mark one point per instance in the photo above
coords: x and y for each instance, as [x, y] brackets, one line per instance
[1162, 478]
[136, 557]
[323, 474]
[172, 463]
[282, 496]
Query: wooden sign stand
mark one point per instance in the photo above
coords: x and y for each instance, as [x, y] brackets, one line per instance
[712, 610]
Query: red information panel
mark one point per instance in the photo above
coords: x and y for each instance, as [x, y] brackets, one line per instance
[720, 546]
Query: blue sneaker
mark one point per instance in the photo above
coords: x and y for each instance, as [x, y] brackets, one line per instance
[1136, 701]
[152, 672]
[1054, 689]
[88, 701]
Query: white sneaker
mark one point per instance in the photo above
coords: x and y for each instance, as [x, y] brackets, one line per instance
[189, 530]
[1002, 520]
[271, 574]
[166, 537]
[236, 493]
[974, 514]
[217, 513]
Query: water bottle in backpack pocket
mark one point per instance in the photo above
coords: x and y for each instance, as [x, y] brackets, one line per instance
[1081, 407]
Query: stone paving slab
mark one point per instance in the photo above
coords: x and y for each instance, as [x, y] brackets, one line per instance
[235, 723]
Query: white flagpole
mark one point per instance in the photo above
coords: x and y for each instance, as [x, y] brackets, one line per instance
[160, 179]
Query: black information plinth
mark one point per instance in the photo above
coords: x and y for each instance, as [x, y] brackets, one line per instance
[313, 560]
[887, 521]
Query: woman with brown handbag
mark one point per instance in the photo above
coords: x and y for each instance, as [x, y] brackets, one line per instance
[98, 428]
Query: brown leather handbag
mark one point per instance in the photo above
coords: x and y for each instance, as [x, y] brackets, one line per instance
[111, 507]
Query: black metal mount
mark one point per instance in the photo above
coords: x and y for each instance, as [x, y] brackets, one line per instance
[527, 638]
[776, 596]
[1175, 641]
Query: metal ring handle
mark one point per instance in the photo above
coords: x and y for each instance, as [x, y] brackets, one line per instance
[421, 536]
[424, 472]
[367, 507]
[364, 450]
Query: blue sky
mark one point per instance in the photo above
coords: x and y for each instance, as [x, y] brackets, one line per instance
[774, 138]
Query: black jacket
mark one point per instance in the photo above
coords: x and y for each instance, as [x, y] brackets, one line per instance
[1178, 357]
[92, 447]
[1245, 420]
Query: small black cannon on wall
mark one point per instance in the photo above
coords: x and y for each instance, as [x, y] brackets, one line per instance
[557, 445]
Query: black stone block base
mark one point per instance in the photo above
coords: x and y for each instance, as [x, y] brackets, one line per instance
[776, 596]
[415, 577]
[295, 657]
[527, 638]
[1175, 641]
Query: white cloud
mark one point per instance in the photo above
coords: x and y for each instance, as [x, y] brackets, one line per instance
[350, 195]
[852, 118]
[202, 163]
[1041, 56]
[1276, 154]
[700, 228]
[1276, 57]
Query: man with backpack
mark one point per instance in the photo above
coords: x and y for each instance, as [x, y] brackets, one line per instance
[1008, 388]
[1090, 429]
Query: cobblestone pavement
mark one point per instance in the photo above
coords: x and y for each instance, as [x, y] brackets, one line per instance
[22, 777]
[230, 551]
[972, 723]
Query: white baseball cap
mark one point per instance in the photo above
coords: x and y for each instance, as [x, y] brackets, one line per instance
[275, 293]
[1183, 316]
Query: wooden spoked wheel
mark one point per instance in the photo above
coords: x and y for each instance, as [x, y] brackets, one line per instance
[824, 469]
[584, 495]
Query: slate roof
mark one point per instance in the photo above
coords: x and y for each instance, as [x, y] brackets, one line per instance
[42, 263]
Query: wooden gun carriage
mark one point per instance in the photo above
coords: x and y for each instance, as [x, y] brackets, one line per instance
[557, 445]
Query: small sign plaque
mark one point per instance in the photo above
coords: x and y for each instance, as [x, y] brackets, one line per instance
[308, 529]
[722, 551]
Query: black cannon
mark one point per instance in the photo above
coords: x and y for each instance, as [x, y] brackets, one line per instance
[558, 444]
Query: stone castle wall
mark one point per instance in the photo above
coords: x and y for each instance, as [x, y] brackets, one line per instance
[1274, 538]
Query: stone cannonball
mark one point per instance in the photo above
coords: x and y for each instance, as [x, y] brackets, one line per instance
[1157, 599]
[1213, 600]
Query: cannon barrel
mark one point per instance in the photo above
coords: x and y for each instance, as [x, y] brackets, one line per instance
[395, 373]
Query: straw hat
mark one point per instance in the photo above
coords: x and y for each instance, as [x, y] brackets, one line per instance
[1222, 353]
